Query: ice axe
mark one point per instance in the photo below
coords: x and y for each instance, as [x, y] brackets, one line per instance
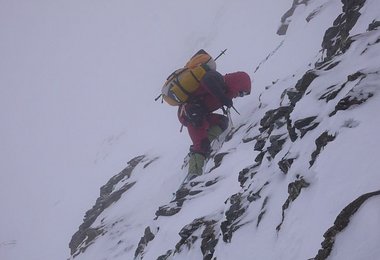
[217, 57]
[221, 53]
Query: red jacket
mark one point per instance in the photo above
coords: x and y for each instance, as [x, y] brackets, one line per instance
[235, 82]
[214, 91]
[209, 98]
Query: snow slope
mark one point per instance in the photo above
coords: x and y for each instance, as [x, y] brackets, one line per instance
[76, 88]
[303, 149]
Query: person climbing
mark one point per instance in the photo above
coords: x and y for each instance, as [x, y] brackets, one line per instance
[196, 111]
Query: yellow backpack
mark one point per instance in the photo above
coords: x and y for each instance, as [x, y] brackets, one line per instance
[183, 82]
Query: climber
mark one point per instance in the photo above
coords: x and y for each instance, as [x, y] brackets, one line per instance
[197, 113]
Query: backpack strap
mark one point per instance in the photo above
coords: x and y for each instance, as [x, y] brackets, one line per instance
[194, 76]
[176, 81]
[175, 73]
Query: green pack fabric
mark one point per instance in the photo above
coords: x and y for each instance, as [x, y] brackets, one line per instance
[196, 163]
[214, 132]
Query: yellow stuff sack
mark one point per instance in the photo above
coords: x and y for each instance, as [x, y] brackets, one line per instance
[183, 82]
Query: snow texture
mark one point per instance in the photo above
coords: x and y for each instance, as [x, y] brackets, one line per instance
[296, 178]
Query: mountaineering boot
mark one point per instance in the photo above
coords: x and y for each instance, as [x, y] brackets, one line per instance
[196, 163]
[214, 132]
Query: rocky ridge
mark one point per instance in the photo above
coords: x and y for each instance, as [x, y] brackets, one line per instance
[277, 134]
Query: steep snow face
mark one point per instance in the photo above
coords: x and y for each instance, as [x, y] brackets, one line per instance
[77, 84]
[295, 179]
[297, 175]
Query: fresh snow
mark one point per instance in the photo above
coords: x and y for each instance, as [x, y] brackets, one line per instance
[77, 86]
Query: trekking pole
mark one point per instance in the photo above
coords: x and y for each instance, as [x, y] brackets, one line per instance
[229, 118]
[236, 110]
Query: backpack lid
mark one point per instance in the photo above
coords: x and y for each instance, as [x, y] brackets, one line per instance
[201, 57]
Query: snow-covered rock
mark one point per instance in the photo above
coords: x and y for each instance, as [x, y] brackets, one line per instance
[296, 178]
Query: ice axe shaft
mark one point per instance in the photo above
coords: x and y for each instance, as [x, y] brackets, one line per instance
[227, 111]
[221, 53]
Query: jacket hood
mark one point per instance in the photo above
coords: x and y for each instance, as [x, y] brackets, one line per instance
[237, 82]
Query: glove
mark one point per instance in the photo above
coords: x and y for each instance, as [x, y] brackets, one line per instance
[194, 114]
[227, 102]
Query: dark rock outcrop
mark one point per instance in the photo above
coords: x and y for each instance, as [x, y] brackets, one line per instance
[235, 211]
[285, 164]
[185, 192]
[303, 84]
[260, 157]
[262, 211]
[276, 141]
[314, 13]
[209, 236]
[176, 205]
[354, 97]
[321, 142]
[218, 158]
[166, 255]
[239, 204]
[260, 142]
[336, 39]
[247, 173]
[285, 18]
[305, 125]
[340, 223]
[374, 25]
[86, 234]
[144, 241]
[294, 190]
[275, 118]
[334, 90]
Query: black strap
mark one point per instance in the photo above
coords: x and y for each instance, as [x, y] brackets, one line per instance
[157, 98]
[176, 73]
[176, 81]
[224, 110]
[194, 76]
[214, 82]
